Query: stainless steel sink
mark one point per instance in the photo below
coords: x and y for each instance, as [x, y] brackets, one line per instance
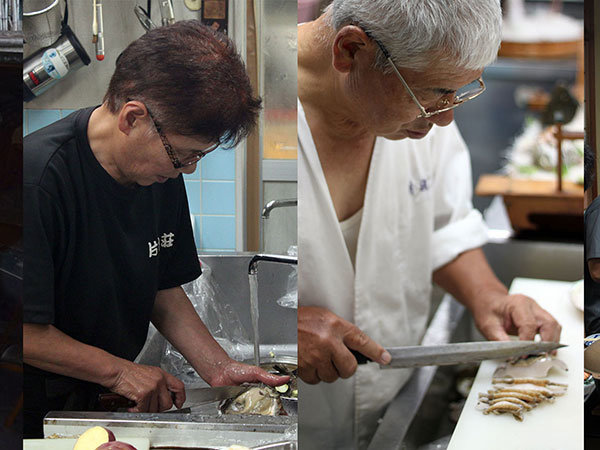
[179, 431]
[512, 258]
[206, 427]
[277, 325]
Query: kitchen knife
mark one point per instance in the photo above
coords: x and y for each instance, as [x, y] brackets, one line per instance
[193, 397]
[464, 352]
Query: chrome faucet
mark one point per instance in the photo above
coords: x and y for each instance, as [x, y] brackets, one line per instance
[253, 274]
[270, 206]
[253, 266]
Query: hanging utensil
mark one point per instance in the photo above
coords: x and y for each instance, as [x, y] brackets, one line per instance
[143, 17]
[166, 12]
[99, 22]
[50, 64]
[94, 23]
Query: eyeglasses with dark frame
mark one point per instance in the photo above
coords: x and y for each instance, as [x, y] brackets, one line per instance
[444, 104]
[177, 163]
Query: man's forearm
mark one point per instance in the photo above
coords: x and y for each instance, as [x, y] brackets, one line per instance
[175, 317]
[48, 348]
[497, 314]
[469, 278]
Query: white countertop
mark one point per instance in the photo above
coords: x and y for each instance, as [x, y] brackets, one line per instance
[551, 426]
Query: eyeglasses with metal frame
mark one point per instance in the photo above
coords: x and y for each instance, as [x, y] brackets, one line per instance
[177, 163]
[444, 104]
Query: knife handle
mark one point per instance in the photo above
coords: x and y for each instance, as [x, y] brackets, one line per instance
[112, 401]
[360, 358]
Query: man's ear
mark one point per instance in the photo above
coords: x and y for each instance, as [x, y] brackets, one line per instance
[348, 41]
[130, 115]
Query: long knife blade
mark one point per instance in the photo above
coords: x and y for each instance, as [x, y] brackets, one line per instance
[194, 397]
[464, 352]
[196, 400]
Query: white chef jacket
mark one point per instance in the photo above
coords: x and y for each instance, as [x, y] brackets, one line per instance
[417, 216]
[350, 229]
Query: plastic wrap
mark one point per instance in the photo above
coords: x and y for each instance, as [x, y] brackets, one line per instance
[219, 317]
[290, 299]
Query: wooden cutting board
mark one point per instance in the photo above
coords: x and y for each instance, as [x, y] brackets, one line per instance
[68, 444]
[551, 426]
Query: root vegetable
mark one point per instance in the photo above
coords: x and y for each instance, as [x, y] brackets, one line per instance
[116, 445]
[93, 438]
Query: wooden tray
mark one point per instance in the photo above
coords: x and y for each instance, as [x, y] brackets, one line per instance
[536, 205]
[540, 50]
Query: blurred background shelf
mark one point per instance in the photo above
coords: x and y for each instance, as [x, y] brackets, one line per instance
[541, 50]
[536, 205]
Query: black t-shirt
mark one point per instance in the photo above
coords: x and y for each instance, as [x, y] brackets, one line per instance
[592, 250]
[97, 252]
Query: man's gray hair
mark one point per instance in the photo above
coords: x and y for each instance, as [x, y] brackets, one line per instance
[461, 33]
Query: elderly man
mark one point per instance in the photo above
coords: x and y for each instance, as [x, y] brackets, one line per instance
[384, 200]
[108, 239]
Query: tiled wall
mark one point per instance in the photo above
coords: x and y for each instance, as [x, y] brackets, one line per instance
[211, 195]
[210, 189]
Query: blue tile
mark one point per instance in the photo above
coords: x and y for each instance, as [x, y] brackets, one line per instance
[39, 118]
[25, 129]
[218, 197]
[194, 190]
[65, 112]
[219, 165]
[196, 175]
[218, 232]
[198, 231]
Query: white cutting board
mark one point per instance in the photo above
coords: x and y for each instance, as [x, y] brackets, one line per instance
[552, 426]
[68, 444]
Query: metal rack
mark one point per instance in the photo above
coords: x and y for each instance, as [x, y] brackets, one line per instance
[10, 15]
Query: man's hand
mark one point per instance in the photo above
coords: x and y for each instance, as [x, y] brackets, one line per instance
[234, 373]
[502, 314]
[176, 318]
[324, 340]
[497, 313]
[152, 388]
[48, 348]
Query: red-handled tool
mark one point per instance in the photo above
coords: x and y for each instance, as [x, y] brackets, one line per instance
[98, 30]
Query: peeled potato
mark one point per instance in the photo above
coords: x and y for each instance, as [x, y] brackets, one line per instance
[93, 438]
[116, 445]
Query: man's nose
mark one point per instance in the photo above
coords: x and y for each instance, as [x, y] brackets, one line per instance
[188, 169]
[442, 119]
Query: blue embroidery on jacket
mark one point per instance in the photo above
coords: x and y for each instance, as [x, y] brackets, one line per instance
[416, 187]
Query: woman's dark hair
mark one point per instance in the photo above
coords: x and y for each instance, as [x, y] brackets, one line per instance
[191, 78]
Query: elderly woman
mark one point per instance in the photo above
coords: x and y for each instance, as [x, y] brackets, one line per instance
[384, 176]
[108, 239]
